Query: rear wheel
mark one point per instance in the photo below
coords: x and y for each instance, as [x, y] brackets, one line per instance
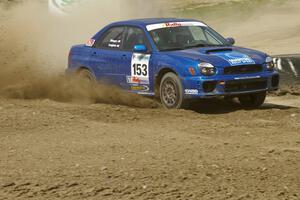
[171, 92]
[86, 74]
[254, 100]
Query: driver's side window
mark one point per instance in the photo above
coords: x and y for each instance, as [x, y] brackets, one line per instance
[134, 37]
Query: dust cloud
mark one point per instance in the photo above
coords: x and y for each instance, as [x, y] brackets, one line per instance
[34, 46]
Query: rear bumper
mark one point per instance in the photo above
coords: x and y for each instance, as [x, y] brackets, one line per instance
[206, 87]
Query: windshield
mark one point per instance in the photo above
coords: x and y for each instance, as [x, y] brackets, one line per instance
[185, 37]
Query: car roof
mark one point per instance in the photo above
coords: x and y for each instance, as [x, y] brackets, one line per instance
[148, 21]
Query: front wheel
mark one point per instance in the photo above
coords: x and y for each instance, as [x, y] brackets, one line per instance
[253, 100]
[171, 92]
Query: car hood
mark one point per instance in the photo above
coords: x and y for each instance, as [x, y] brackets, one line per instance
[222, 56]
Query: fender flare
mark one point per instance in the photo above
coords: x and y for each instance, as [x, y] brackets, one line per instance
[158, 77]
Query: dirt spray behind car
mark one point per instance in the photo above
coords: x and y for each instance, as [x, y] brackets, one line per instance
[33, 57]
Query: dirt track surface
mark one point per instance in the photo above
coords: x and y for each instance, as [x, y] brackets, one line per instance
[53, 150]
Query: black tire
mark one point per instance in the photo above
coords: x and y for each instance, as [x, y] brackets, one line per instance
[86, 75]
[254, 100]
[171, 92]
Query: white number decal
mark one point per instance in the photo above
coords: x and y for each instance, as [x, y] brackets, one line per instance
[140, 66]
[140, 70]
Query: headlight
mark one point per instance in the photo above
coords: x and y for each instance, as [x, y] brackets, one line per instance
[270, 63]
[207, 69]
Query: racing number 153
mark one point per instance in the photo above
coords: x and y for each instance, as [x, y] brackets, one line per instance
[140, 70]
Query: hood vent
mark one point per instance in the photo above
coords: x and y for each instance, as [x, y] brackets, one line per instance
[217, 50]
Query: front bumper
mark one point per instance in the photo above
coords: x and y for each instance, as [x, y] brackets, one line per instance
[229, 85]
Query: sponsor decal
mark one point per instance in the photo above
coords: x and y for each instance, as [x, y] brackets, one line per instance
[90, 42]
[173, 24]
[146, 93]
[152, 27]
[238, 61]
[191, 91]
[246, 77]
[236, 58]
[142, 88]
[137, 80]
[114, 43]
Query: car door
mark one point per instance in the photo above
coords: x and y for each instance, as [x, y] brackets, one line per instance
[136, 70]
[107, 55]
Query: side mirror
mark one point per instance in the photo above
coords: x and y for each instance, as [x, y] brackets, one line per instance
[140, 48]
[230, 41]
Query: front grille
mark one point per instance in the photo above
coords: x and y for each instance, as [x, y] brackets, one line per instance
[209, 86]
[243, 69]
[246, 85]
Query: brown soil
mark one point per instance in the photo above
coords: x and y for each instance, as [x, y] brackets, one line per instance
[60, 139]
[53, 150]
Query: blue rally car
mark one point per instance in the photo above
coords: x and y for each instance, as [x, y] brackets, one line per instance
[176, 60]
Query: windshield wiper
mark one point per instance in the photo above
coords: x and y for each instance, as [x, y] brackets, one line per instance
[205, 45]
[196, 45]
[217, 45]
[185, 47]
[173, 49]
[193, 46]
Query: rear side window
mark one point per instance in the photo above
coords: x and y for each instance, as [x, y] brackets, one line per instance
[112, 39]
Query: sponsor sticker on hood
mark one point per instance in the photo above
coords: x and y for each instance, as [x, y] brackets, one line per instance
[235, 58]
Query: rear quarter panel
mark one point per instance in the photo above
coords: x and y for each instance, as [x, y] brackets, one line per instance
[79, 57]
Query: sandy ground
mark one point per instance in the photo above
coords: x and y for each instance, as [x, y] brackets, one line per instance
[66, 143]
[53, 150]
